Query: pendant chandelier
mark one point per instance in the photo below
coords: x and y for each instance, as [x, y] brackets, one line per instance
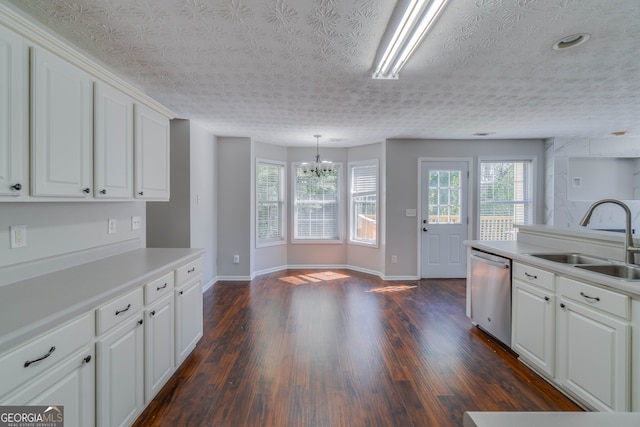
[318, 168]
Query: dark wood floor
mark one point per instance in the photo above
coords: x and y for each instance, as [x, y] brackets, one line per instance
[342, 348]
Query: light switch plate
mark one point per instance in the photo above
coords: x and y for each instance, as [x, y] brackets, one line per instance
[111, 226]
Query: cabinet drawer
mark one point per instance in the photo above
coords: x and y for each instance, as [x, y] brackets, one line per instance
[188, 271]
[533, 275]
[41, 354]
[594, 296]
[159, 287]
[117, 310]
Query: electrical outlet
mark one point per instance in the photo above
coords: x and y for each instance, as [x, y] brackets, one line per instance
[18, 236]
[111, 226]
[394, 259]
[136, 222]
[236, 259]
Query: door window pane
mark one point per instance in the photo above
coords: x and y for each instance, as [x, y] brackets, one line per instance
[444, 197]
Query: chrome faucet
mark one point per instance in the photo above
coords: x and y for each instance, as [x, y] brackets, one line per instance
[630, 249]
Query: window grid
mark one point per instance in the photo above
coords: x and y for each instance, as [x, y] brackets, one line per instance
[444, 197]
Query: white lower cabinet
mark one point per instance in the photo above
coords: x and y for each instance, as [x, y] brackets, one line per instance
[576, 334]
[120, 374]
[69, 384]
[594, 354]
[534, 325]
[188, 318]
[159, 346]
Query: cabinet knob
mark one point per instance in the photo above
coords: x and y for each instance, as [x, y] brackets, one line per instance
[86, 190]
[87, 359]
[140, 322]
[103, 191]
[546, 298]
[140, 193]
[153, 313]
[17, 187]
[562, 306]
[181, 292]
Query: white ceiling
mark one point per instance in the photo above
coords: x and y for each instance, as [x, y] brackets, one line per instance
[280, 71]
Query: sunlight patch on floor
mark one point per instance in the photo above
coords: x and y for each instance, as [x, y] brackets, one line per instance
[388, 289]
[322, 276]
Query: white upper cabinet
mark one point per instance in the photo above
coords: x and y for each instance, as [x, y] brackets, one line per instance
[151, 154]
[13, 115]
[61, 128]
[113, 144]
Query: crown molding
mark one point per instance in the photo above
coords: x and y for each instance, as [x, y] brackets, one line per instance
[38, 35]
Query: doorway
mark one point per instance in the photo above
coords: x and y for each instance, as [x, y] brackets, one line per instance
[444, 222]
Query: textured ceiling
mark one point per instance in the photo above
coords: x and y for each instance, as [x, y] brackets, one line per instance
[280, 71]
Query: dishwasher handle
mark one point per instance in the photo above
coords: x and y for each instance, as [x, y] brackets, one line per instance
[488, 261]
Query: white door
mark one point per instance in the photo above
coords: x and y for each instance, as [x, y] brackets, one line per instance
[444, 221]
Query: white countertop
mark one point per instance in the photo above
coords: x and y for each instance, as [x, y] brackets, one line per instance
[551, 419]
[520, 251]
[32, 306]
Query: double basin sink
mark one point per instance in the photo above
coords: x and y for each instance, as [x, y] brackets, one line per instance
[595, 264]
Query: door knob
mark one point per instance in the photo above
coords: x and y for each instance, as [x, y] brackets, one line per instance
[424, 229]
[424, 221]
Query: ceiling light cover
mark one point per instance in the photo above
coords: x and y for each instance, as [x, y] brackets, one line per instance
[414, 24]
[571, 41]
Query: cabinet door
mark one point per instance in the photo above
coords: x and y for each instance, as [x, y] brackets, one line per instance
[13, 114]
[593, 356]
[70, 383]
[534, 325]
[120, 375]
[159, 346]
[113, 144]
[188, 318]
[151, 154]
[62, 128]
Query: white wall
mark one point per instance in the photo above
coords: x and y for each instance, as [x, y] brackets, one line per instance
[60, 235]
[402, 187]
[203, 200]
[564, 212]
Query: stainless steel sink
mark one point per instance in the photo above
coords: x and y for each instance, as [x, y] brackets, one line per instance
[571, 258]
[620, 271]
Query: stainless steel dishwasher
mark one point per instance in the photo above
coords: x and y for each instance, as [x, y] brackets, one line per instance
[491, 294]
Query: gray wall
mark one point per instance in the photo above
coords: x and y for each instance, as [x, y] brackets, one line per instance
[63, 234]
[188, 220]
[402, 187]
[234, 173]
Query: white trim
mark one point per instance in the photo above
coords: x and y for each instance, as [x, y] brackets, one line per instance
[27, 28]
[283, 240]
[349, 225]
[209, 284]
[470, 191]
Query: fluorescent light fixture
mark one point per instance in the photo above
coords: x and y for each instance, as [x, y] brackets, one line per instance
[414, 24]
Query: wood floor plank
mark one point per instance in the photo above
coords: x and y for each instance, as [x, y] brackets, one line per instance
[343, 348]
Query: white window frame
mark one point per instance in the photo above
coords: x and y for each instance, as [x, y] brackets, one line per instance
[282, 240]
[533, 187]
[353, 239]
[294, 208]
